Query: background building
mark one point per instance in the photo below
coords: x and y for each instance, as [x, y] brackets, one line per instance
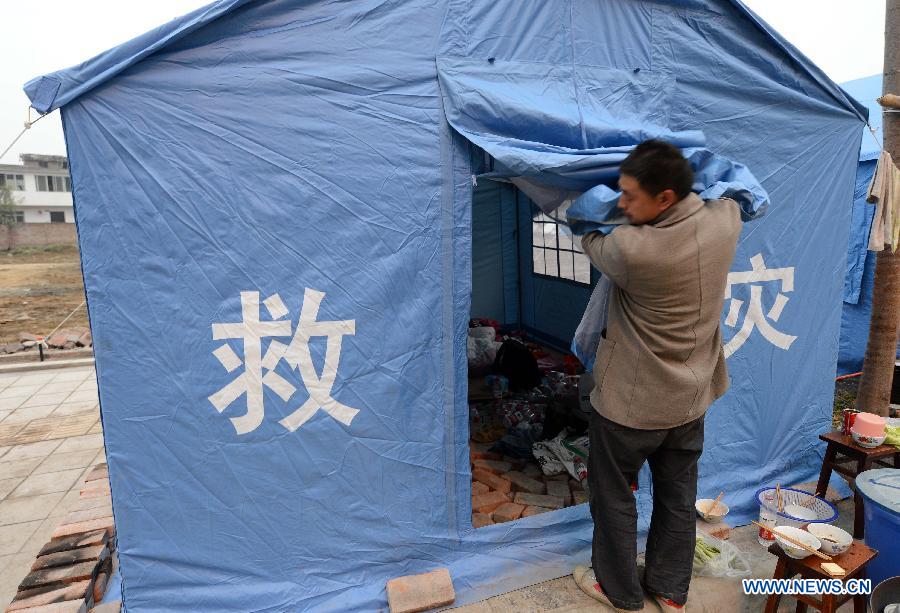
[41, 188]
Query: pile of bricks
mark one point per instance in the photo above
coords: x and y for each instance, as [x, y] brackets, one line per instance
[71, 572]
[67, 338]
[504, 488]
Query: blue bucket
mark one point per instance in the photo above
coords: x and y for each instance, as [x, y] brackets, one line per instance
[880, 489]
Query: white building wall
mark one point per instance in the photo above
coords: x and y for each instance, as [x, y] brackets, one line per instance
[37, 205]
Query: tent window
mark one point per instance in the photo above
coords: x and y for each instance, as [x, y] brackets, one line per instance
[554, 253]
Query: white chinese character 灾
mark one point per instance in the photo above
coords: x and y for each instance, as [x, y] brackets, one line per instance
[756, 317]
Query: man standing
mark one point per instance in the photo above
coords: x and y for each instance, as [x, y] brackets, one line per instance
[659, 366]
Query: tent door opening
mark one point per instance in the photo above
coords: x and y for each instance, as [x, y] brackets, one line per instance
[530, 284]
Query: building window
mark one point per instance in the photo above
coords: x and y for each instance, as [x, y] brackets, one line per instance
[65, 165]
[15, 183]
[555, 253]
[57, 217]
[43, 164]
[14, 216]
[49, 183]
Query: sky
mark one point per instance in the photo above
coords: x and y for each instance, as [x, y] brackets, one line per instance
[846, 40]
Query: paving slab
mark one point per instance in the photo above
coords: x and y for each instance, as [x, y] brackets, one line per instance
[46, 483]
[29, 508]
[13, 537]
[58, 461]
[50, 438]
[81, 443]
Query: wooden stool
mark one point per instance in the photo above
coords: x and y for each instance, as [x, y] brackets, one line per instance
[842, 450]
[853, 561]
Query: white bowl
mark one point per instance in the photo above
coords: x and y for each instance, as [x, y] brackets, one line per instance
[713, 518]
[869, 442]
[798, 553]
[834, 540]
[800, 515]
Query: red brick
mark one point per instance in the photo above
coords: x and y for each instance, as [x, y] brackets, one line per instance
[515, 463]
[560, 489]
[88, 515]
[484, 455]
[507, 511]
[49, 595]
[536, 500]
[75, 573]
[491, 480]
[498, 468]
[70, 606]
[93, 503]
[529, 511]
[479, 520]
[486, 503]
[532, 470]
[420, 592]
[100, 471]
[105, 523]
[525, 484]
[96, 489]
[479, 488]
[72, 556]
[97, 537]
[85, 340]
[100, 586]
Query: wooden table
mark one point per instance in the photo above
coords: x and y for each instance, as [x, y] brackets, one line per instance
[854, 561]
[842, 450]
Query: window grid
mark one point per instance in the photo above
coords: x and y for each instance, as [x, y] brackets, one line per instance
[53, 183]
[554, 253]
[15, 183]
[14, 216]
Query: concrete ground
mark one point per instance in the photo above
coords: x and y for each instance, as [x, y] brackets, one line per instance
[707, 595]
[50, 437]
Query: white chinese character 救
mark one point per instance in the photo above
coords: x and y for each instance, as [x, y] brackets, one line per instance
[259, 371]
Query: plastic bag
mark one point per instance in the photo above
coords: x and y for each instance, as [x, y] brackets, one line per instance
[731, 561]
[557, 455]
[587, 335]
[481, 350]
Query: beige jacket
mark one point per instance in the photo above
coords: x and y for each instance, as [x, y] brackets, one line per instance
[661, 363]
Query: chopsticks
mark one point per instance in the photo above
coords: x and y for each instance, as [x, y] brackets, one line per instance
[715, 503]
[794, 541]
[809, 501]
[778, 497]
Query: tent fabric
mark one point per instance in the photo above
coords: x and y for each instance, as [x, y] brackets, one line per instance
[275, 225]
[714, 177]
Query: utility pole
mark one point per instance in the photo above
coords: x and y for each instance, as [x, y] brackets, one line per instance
[878, 368]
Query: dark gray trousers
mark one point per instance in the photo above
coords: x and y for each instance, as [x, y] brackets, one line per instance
[616, 455]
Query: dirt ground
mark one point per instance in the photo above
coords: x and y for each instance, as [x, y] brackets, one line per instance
[39, 287]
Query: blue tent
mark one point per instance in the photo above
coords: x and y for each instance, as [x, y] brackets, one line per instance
[861, 262]
[276, 223]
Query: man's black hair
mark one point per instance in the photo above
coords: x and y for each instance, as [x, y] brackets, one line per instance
[658, 166]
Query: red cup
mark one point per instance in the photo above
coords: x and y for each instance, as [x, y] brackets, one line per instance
[849, 418]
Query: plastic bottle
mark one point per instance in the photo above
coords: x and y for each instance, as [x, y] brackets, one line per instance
[768, 516]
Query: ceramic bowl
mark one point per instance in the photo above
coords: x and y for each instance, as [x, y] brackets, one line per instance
[713, 518]
[869, 442]
[834, 540]
[798, 553]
